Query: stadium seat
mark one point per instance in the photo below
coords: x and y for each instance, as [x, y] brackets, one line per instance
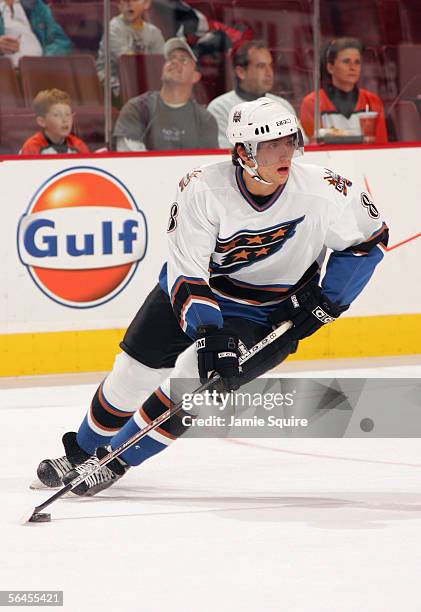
[355, 18]
[139, 73]
[406, 120]
[284, 21]
[15, 127]
[409, 70]
[293, 76]
[90, 91]
[75, 74]
[38, 73]
[390, 16]
[402, 70]
[212, 82]
[10, 95]
[411, 20]
[82, 22]
[372, 74]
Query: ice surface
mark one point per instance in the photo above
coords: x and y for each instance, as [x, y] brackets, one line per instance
[216, 525]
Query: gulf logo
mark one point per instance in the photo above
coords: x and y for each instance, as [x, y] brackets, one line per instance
[82, 237]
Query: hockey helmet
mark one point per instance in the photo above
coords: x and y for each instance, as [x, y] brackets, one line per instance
[251, 123]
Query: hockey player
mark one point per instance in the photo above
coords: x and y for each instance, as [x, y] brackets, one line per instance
[246, 243]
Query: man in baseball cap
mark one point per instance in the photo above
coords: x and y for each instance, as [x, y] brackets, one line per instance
[175, 43]
[169, 118]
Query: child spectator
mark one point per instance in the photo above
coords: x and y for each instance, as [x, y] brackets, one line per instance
[54, 116]
[129, 33]
[28, 28]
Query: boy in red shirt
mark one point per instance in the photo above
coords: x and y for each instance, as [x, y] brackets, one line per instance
[55, 117]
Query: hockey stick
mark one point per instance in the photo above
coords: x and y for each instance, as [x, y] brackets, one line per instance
[36, 516]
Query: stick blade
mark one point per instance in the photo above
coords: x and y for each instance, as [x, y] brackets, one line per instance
[32, 516]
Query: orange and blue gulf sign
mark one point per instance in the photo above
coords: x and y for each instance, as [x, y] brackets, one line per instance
[82, 237]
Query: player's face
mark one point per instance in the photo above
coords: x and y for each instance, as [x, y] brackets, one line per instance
[132, 10]
[180, 68]
[346, 69]
[275, 155]
[57, 122]
[274, 159]
[257, 77]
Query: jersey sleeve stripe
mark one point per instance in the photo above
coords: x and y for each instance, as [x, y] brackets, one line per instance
[201, 319]
[380, 237]
[189, 281]
[194, 304]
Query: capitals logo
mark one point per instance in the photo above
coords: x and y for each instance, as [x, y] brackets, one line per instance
[249, 246]
[340, 183]
[82, 237]
[237, 116]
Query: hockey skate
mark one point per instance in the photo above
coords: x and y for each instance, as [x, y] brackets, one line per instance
[99, 480]
[51, 471]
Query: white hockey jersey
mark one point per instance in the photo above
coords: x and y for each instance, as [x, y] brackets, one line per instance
[230, 256]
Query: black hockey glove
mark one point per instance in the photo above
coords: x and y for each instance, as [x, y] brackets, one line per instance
[217, 351]
[308, 309]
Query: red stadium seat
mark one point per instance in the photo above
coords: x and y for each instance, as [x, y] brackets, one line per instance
[402, 70]
[10, 94]
[372, 73]
[355, 18]
[139, 73]
[212, 82]
[411, 20]
[406, 120]
[293, 74]
[283, 22]
[82, 21]
[38, 73]
[390, 16]
[15, 127]
[90, 91]
[75, 74]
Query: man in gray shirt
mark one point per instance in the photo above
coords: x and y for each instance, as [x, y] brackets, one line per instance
[168, 119]
[253, 72]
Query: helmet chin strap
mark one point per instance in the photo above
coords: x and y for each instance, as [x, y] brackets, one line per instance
[252, 171]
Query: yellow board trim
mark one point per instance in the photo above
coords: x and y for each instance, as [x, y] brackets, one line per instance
[94, 350]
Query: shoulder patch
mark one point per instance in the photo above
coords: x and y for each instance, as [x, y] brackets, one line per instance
[340, 183]
[187, 179]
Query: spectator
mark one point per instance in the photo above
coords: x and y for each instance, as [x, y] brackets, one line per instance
[129, 33]
[340, 98]
[180, 19]
[169, 118]
[28, 28]
[206, 36]
[54, 115]
[253, 72]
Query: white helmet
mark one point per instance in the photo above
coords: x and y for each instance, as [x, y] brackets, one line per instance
[250, 123]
